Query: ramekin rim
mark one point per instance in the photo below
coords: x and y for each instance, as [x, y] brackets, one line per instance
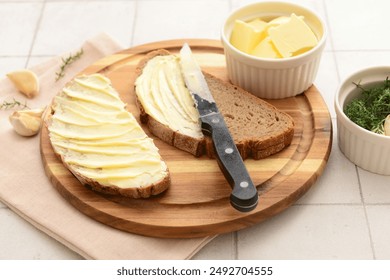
[319, 45]
[340, 112]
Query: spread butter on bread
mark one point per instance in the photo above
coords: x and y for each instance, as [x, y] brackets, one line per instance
[101, 143]
[166, 106]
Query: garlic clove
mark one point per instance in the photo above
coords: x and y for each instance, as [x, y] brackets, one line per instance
[25, 81]
[387, 125]
[27, 122]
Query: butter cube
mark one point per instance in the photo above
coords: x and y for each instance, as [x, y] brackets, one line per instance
[266, 49]
[280, 20]
[258, 24]
[293, 37]
[245, 36]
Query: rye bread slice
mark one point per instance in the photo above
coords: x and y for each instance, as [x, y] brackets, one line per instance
[258, 128]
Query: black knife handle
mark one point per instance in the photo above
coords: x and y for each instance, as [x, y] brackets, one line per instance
[244, 196]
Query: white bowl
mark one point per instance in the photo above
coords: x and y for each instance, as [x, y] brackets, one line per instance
[366, 149]
[267, 77]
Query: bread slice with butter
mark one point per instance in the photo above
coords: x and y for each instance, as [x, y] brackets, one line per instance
[101, 143]
[166, 106]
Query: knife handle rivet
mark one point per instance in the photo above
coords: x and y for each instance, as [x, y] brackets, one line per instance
[228, 150]
[244, 184]
[215, 120]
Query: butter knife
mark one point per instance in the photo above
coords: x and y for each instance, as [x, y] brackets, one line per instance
[244, 195]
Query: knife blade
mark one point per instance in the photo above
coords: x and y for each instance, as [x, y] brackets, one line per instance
[244, 195]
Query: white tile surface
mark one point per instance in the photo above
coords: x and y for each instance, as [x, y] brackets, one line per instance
[352, 61]
[309, 232]
[79, 20]
[327, 80]
[379, 220]
[375, 188]
[17, 35]
[358, 25]
[9, 64]
[316, 5]
[196, 19]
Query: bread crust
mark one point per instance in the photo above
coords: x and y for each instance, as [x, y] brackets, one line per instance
[257, 147]
[132, 192]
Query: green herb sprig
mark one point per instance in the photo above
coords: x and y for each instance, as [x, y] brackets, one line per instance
[66, 62]
[6, 105]
[370, 110]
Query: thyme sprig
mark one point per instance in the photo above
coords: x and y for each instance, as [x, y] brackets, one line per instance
[6, 105]
[68, 61]
[370, 110]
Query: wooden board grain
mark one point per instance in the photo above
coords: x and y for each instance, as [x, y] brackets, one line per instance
[197, 203]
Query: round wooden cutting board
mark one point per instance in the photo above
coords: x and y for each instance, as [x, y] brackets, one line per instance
[197, 203]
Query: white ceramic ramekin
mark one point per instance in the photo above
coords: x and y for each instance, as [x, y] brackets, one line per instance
[366, 149]
[273, 78]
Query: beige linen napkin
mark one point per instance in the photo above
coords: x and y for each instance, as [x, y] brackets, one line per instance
[25, 189]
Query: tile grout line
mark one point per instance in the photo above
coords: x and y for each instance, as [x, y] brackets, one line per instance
[235, 245]
[328, 204]
[342, 204]
[365, 214]
[38, 25]
[333, 52]
[356, 168]
[134, 23]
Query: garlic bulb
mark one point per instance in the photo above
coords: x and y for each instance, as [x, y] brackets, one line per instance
[27, 122]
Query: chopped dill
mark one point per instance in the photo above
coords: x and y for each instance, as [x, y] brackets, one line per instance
[370, 110]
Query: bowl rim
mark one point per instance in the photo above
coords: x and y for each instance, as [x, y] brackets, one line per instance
[318, 47]
[356, 75]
